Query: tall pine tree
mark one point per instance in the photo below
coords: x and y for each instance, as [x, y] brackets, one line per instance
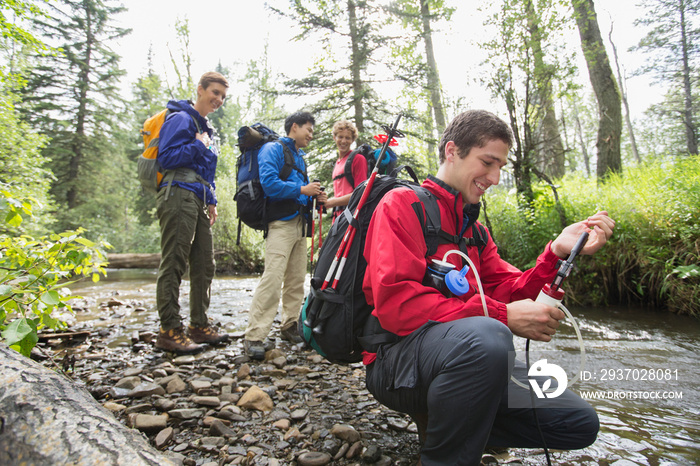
[73, 97]
[673, 43]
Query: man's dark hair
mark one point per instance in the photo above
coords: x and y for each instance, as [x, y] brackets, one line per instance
[212, 77]
[300, 118]
[474, 128]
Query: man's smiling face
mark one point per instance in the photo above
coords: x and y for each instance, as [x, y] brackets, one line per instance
[480, 169]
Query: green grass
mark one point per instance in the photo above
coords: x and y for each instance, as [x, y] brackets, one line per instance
[653, 258]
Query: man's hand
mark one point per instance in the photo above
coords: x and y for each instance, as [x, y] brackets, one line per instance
[599, 227]
[322, 198]
[536, 321]
[212, 214]
[312, 189]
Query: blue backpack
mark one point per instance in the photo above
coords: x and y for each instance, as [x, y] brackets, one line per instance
[251, 202]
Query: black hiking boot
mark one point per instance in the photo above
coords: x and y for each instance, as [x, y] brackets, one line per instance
[291, 333]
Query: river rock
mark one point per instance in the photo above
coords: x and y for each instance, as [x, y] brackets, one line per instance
[139, 408]
[212, 401]
[163, 438]
[243, 372]
[148, 422]
[185, 413]
[341, 451]
[224, 382]
[164, 404]
[182, 360]
[176, 385]
[397, 424]
[219, 429]
[117, 393]
[146, 389]
[133, 371]
[114, 407]
[255, 398]
[282, 424]
[345, 432]
[313, 458]
[293, 434]
[214, 441]
[211, 374]
[199, 385]
[279, 361]
[371, 454]
[231, 416]
[354, 450]
[299, 414]
[128, 382]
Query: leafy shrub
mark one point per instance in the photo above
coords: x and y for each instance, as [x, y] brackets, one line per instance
[33, 274]
[654, 254]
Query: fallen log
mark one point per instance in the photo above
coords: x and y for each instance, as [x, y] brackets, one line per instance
[47, 419]
[133, 261]
[64, 336]
[144, 260]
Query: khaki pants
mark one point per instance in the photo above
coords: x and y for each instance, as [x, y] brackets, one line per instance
[185, 236]
[285, 271]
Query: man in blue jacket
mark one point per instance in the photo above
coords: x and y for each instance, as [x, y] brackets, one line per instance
[285, 245]
[186, 208]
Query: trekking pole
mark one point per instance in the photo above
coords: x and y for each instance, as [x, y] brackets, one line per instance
[320, 223]
[313, 224]
[342, 254]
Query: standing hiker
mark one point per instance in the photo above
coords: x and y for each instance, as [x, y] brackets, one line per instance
[451, 367]
[186, 208]
[345, 177]
[285, 245]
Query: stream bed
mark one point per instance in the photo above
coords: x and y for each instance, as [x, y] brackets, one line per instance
[640, 373]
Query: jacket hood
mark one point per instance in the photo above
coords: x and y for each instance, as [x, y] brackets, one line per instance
[188, 107]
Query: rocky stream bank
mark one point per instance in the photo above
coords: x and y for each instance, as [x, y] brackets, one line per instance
[219, 407]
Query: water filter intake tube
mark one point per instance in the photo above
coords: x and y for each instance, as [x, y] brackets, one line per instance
[548, 295]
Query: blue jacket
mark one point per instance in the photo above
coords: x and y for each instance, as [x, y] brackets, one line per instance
[179, 147]
[271, 161]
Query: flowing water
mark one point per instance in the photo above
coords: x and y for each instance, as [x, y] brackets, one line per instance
[641, 367]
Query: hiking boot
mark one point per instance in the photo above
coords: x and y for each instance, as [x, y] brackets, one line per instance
[208, 335]
[254, 349]
[176, 341]
[291, 333]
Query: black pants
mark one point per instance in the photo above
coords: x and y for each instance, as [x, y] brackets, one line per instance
[459, 373]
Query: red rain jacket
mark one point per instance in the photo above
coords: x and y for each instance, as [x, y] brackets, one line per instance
[395, 252]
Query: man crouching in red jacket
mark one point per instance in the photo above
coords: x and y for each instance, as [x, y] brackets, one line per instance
[451, 369]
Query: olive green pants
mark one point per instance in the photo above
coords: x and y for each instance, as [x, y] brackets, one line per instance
[285, 271]
[185, 237]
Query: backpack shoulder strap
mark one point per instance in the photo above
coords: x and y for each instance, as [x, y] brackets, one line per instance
[431, 223]
[348, 169]
[435, 235]
[479, 237]
[289, 163]
[196, 123]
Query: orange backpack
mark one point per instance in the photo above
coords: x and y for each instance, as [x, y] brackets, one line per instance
[148, 169]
